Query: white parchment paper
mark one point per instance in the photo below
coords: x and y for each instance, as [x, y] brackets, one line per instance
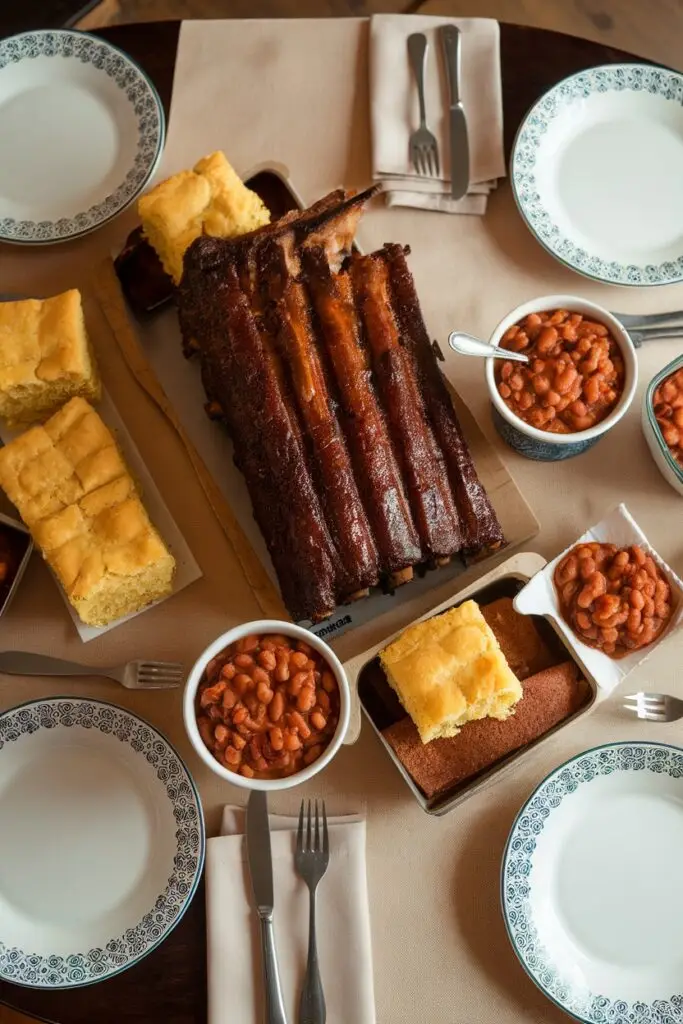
[540, 598]
[187, 570]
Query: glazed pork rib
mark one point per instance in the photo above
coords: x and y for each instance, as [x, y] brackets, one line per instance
[319, 365]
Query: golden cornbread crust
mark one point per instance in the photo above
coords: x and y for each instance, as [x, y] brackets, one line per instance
[73, 490]
[211, 199]
[450, 670]
[45, 357]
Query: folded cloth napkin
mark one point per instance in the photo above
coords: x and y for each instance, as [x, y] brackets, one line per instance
[394, 110]
[343, 924]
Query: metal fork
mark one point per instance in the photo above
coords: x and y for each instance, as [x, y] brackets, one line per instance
[311, 860]
[424, 149]
[655, 707]
[648, 320]
[135, 675]
[654, 334]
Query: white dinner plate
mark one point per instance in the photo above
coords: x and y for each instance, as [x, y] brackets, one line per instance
[591, 890]
[101, 841]
[596, 171]
[82, 131]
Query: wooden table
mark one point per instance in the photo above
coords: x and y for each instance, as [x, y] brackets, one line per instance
[169, 986]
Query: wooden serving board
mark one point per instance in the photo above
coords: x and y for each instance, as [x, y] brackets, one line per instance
[151, 349]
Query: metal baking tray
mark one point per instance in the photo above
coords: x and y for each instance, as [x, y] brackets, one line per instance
[14, 526]
[381, 707]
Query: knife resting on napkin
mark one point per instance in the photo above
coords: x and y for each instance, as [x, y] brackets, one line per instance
[393, 110]
[235, 982]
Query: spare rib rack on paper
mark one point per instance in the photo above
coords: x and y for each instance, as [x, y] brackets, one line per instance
[317, 360]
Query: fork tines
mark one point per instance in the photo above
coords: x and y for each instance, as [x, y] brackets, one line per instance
[159, 673]
[311, 844]
[648, 706]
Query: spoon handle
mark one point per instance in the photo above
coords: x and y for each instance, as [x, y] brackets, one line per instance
[466, 345]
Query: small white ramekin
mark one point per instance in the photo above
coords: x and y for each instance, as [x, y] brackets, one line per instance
[541, 444]
[259, 628]
[667, 465]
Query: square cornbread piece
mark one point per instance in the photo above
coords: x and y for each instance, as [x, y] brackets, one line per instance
[211, 199]
[45, 357]
[74, 492]
[450, 670]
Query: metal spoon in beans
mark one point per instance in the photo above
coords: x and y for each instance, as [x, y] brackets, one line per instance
[466, 345]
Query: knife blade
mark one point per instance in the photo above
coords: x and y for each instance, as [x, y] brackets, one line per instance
[261, 872]
[459, 142]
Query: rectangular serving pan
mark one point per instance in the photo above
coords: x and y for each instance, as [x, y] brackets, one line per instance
[18, 527]
[381, 707]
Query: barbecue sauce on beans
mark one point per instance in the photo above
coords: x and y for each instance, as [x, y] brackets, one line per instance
[615, 599]
[575, 376]
[267, 706]
[668, 408]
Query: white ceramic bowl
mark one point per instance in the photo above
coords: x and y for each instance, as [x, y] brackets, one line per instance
[667, 465]
[219, 644]
[541, 444]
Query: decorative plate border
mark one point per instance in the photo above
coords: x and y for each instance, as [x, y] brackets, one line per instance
[142, 96]
[22, 967]
[517, 872]
[607, 78]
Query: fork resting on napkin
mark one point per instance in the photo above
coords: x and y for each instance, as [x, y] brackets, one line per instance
[394, 110]
[344, 945]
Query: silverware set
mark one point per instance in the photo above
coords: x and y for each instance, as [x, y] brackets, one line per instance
[423, 144]
[134, 675]
[311, 861]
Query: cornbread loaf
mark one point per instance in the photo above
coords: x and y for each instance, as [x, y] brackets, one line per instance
[45, 357]
[549, 697]
[525, 650]
[72, 489]
[208, 200]
[450, 670]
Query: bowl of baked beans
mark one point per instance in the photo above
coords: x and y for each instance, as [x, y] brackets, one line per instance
[266, 706]
[579, 381]
[663, 422]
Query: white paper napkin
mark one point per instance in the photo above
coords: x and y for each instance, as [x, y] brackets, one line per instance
[539, 597]
[343, 924]
[394, 110]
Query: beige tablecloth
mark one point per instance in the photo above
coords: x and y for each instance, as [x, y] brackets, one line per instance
[296, 93]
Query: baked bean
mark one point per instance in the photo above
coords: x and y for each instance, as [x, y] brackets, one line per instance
[247, 771]
[241, 683]
[306, 699]
[243, 661]
[579, 375]
[291, 740]
[221, 735]
[232, 756]
[277, 706]
[276, 738]
[281, 671]
[621, 605]
[298, 722]
[228, 672]
[312, 754]
[297, 681]
[264, 693]
[246, 644]
[206, 727]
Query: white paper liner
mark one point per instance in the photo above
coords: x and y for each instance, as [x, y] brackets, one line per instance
[187, 570]
[540, 598]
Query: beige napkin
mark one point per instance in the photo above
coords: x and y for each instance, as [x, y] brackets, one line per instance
[394, 110]
[343, 924]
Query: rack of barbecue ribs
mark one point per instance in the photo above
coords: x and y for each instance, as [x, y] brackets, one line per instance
[317, 361]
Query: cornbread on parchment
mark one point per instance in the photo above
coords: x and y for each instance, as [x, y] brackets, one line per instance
[73, 490]
[449, 670]
[45, 357]
[211, 199]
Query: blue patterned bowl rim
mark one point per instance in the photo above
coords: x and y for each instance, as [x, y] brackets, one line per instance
[601, 1010]
[81, 969]
[151, 135]
[603, 78]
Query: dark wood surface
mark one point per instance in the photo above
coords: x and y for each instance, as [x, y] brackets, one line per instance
[169, 986]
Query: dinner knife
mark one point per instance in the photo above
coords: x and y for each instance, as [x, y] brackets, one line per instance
[261, 871]
[459, 144]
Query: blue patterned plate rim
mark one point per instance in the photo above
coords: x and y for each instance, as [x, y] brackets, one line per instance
[151, 121]
[657, 80]
[78, 970]
[668, 1010]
